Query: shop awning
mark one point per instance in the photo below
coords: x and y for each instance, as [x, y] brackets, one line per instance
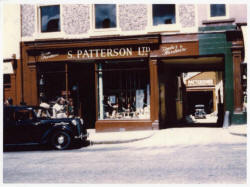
[7, 68]
[244, 32]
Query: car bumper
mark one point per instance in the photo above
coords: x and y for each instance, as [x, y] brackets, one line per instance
[82, 136]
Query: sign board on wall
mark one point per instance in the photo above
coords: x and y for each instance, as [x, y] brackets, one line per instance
[208, 82]
[177, 49]
[92, 53]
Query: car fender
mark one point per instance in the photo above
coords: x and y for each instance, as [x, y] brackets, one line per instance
[49, 132]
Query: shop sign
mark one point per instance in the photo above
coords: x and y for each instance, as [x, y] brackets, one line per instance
[176, 49]
[173, 49]
[107, 53]
[196, 82]
[48, 55]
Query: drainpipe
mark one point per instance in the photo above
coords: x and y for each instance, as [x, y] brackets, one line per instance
[21, 61]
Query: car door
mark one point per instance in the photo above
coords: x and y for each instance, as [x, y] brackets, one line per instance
[24, 125]
[10, 133]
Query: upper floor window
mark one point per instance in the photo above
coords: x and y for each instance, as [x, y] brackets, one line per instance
[163, 14]
[105, 16]
[217, 10]
[50, 18]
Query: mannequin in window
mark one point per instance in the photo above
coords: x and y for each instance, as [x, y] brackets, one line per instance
[110, 110]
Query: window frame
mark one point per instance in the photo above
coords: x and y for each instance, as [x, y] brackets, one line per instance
[163, 27]
[38, 29]
[104, 30]
[218, 17]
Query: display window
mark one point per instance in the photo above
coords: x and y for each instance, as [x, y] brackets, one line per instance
[123, 90]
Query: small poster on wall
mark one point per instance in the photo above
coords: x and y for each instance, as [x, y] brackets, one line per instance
[112, 99]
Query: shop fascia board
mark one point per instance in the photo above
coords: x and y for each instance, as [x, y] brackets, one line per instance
[95, 42]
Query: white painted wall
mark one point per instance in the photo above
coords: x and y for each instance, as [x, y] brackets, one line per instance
[11, 30]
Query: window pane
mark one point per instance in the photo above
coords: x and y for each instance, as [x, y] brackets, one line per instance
[105, 16]
[218, 10]
[163, 14]
[123, 91]
[50, 18]
[7, 79]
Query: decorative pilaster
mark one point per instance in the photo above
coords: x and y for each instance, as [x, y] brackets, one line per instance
[154, 99]
[237, 47]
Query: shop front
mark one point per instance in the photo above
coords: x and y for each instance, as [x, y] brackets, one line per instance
[108, 80]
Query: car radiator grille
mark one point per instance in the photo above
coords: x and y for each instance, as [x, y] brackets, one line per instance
[79, 128]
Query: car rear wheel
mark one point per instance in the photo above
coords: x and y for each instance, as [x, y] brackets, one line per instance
[61, 140]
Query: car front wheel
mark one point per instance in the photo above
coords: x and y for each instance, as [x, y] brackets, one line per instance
[61, 140]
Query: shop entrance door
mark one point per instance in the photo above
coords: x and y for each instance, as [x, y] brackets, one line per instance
[81, 78]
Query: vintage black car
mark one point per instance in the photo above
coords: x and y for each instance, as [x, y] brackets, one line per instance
[33, 125]
[199, 112]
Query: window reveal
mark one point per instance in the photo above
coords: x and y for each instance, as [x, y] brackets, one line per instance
[123, 92]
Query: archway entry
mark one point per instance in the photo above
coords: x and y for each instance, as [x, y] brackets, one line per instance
[191, 91]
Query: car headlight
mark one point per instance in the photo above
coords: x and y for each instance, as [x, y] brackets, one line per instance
[74, 122]
[81, 121]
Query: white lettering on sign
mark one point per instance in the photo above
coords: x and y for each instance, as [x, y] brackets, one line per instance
[103, 53]
[208, 82]
[173, 49]
[48, 55]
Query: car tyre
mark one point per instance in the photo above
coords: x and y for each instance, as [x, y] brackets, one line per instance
[61, 140]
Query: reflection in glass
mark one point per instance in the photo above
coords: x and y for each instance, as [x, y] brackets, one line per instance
[105, 16]
[218, 10]
[123, 91]
[163, 14]
[50, 18]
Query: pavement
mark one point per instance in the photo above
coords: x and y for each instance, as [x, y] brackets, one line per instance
[118, 137]
[132, 136]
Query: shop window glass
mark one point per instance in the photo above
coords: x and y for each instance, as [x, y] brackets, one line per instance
[50, 18]
[164, 14]
[123, 92]
[217, 10]
[105, 16]
[7, 80]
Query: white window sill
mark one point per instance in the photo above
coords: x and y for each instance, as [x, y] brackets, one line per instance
[217, 18]
[164, 28]
[48, 35]
[104, 32]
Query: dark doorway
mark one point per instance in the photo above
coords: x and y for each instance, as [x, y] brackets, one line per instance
[186, 83]
[82, 87]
